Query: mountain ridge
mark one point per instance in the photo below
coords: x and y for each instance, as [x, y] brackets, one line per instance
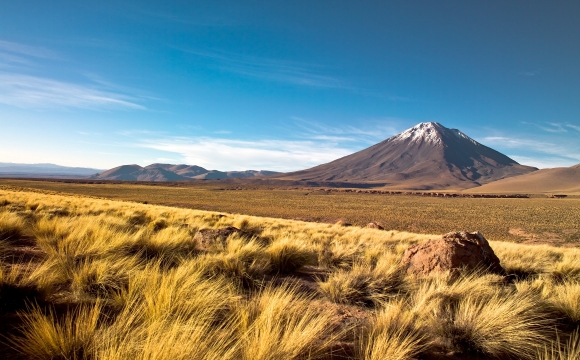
[172, 172]
[40, 169]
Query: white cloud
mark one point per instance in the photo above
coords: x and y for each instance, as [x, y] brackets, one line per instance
[575, 127]
[542, 163]
[37, 92]
[226, 154]
[549, 154]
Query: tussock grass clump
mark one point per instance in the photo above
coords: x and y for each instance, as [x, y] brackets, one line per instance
[335, 255]
[169, 246]
[183, 292]
[496, 326]
[280, 324]
[12, 226]
[243, 262]
[564, 298]
[568, 269]
[16, 290]
[526, 261]
[46, 336]
[287, 255]
[394, 333]
[363, 285]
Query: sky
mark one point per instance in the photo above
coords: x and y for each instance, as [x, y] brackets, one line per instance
[283, 85]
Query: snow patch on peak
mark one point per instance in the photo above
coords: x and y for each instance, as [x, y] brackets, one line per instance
[430, 132]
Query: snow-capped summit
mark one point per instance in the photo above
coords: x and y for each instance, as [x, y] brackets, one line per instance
[426, 156]
[431, 132]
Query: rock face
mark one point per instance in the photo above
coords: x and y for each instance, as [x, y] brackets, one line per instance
[207, 238]
[453, 251]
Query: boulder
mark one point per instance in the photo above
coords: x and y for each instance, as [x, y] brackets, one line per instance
[374, 225]
[208, 238]
[451, 252]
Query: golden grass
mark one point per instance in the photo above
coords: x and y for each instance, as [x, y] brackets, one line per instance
[570, 350]
[392, 334]
[84, 278]
[45, 336]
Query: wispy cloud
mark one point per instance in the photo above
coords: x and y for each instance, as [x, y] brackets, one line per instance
[275, 70]
[286, 72]
[369, 130]
[546, 150]
[553, 127]
[268, 154]
[21, 89]
[575, 127]
[33, 51]
[36, 92]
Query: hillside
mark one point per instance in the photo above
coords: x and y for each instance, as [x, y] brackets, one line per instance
[557, 180]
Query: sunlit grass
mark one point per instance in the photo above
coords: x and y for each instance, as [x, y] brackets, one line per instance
[87, 278]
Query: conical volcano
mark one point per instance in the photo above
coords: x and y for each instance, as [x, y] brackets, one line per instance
[426, 156]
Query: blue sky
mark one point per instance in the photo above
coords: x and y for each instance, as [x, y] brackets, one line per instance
[235, 85]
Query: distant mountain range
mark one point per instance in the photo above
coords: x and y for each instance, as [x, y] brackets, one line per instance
[170, 172]
[426, 156]
[42, 170]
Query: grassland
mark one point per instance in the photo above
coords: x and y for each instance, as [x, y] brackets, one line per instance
[85, 278]
[533, 220]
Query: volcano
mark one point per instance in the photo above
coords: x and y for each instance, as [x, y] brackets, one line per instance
[424, 157]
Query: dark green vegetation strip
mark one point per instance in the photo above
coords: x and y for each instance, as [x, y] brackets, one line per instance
[538, 220]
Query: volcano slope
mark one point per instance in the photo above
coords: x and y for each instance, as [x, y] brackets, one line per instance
[426, 156]
[562, 180]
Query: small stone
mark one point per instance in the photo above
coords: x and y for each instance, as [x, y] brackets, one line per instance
[374, 225]
[208, 238]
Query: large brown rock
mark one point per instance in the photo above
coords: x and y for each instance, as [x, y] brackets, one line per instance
[208, 238]
[453, 251]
